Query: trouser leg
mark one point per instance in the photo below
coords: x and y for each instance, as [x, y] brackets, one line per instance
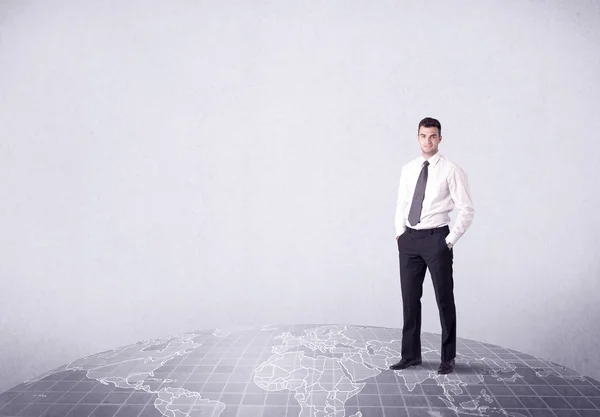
[440, 264]
[412, 274]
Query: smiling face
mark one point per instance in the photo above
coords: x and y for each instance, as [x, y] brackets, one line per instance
[429, 139]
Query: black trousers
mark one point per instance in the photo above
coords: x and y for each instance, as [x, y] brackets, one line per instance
[417, 251]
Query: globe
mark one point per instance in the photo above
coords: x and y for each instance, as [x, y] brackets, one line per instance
[305, 371]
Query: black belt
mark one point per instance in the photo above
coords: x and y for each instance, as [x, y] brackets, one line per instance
[443, 229]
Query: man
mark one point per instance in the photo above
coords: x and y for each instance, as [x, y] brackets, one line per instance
[430, 187]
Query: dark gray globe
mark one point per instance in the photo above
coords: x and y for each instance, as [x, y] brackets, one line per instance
[305, 371]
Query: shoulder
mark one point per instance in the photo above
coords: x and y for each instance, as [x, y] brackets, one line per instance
[450, 163]
[452, 168]
[415, 162]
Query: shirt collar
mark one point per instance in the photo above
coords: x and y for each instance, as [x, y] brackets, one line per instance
[433, 160]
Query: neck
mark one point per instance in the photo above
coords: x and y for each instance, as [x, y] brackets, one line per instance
[428, 155]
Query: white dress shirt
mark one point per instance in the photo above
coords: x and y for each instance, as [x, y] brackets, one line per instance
[447, 187]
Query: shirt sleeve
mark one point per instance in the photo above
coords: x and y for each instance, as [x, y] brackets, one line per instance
[458, 185]
[401, 204]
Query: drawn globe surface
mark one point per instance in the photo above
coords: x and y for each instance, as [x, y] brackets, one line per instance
[305, 371]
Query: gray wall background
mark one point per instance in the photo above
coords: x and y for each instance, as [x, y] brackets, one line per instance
[167, 166]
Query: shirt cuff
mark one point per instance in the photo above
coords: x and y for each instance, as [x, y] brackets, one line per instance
[452, 238]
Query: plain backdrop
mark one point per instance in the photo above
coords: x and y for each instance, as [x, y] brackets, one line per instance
[169, 166]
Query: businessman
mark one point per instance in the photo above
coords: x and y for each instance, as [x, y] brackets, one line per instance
[430, 187]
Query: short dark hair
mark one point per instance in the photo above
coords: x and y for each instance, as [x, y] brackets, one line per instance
[430, 122]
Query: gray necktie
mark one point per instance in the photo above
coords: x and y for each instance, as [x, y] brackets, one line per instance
[414, 216]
